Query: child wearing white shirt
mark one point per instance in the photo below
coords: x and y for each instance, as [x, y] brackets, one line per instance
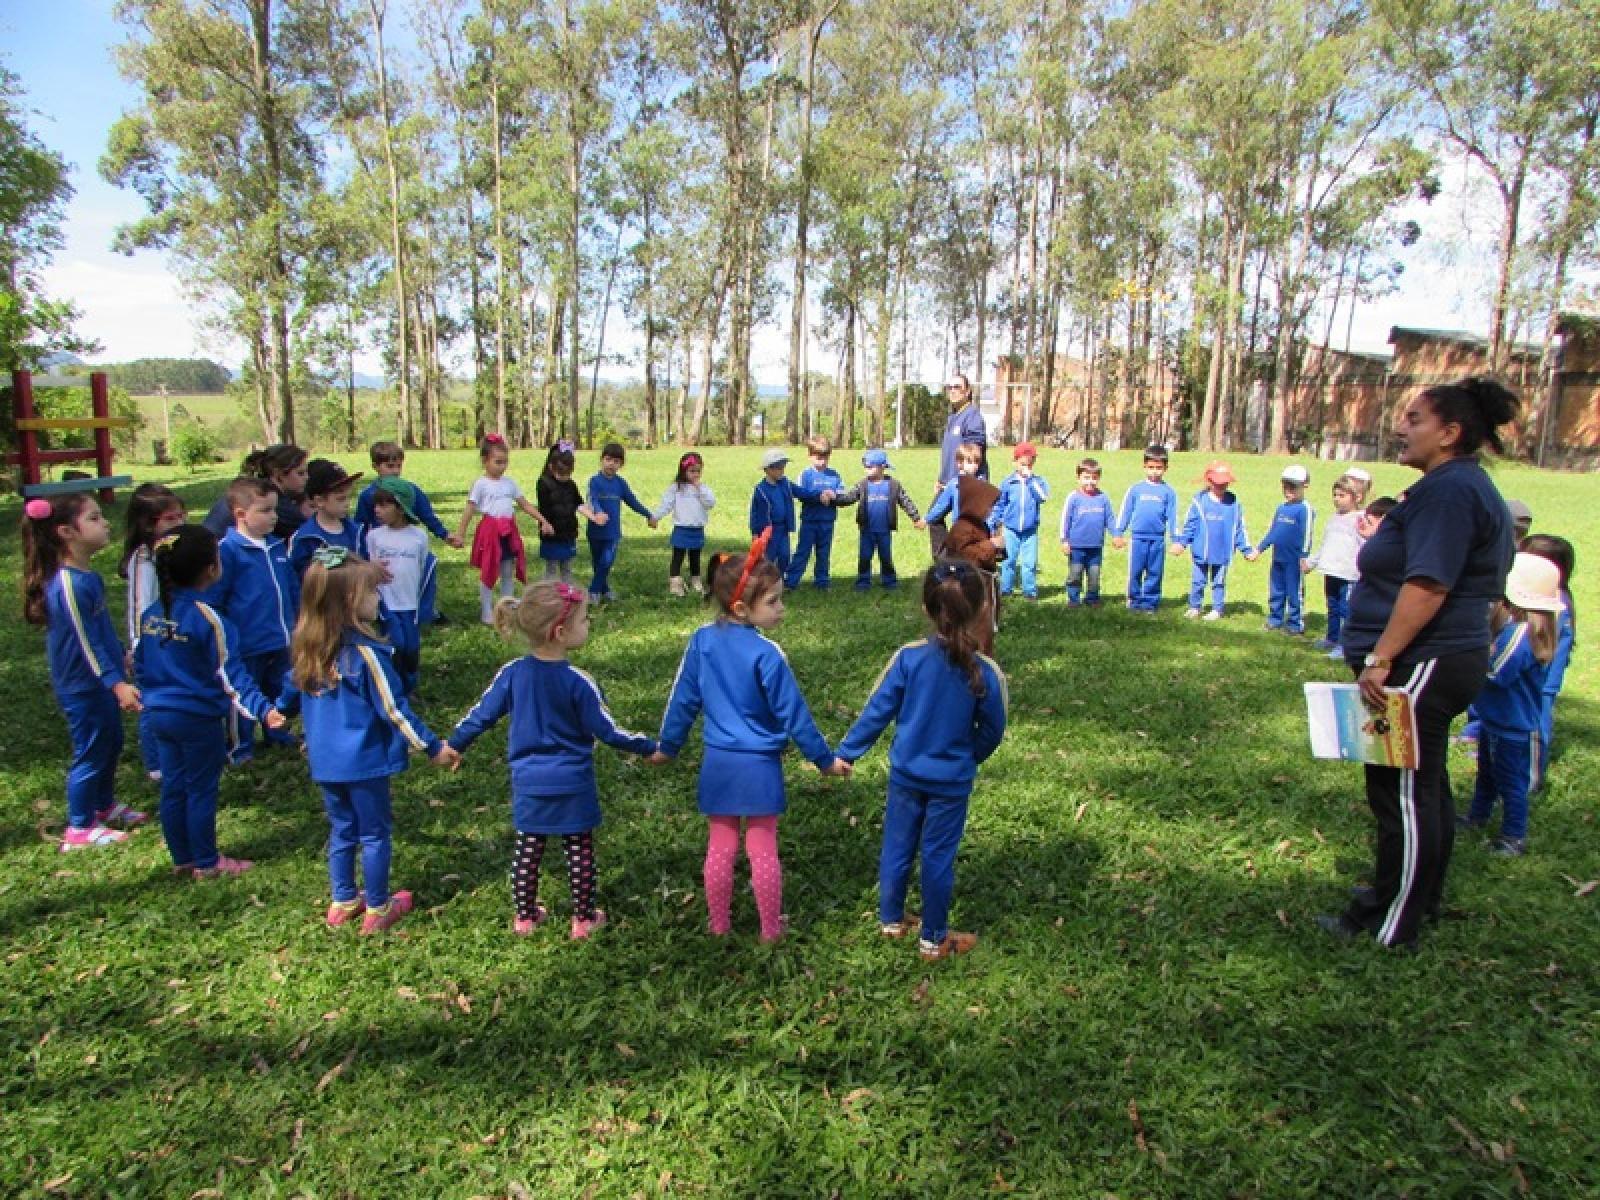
[1336, 559]
[400, 546]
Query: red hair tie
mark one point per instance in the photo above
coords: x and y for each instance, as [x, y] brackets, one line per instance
[571, 597]
[758, 550]
[494, 439]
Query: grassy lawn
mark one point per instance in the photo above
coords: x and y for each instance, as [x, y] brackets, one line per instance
[1150, 1011]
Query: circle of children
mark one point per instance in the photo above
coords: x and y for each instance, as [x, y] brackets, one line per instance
[281, 602]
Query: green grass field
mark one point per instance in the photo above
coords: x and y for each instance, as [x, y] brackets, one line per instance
[1150, 1011]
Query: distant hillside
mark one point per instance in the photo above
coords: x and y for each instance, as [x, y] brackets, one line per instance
[190, 376]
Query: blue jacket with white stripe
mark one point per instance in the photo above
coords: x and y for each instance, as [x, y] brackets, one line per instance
[80, 641]
[942, 731]
[557, 713]
[361, 727]
[749, 695]
[1512, 699]
[258, 592]
[186, 661]
[1213, 529]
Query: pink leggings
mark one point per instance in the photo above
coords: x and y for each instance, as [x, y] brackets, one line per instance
[766, 873]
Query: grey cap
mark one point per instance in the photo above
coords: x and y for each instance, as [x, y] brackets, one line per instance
[774, 458]
[1519, 510]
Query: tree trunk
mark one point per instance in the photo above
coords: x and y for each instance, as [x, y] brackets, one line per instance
[405, 434]
[1511, 199]
[799, 385]
[499, 235]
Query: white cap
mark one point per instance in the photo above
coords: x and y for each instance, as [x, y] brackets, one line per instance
[1359, 474]
[1534, 584]
[1296, 474]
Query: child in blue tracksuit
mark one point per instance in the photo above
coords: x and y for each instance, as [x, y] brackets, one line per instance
[1084, 522]
[1149, 517]
[1559, 551]
[880, 500]
[1017, 513]
[359, 730]
[62, 592]
[194, 685]
[328, 493]
[948, 703]
[969, 459]
[772, 503]
[821, 490]
[557, 712]
[1290, 535]
[1511, 705]
[753, 707]
[1213, 530]
[260, 593]
[608, 492]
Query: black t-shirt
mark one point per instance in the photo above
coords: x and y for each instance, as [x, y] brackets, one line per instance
[558, 501]
[1452, 528]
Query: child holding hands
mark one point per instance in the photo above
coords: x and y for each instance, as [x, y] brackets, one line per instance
[948, 703]
[562, 504]
[557, 712]
[608, 492]
[1213, 530]
[1022, 498]
[62, 592]
[194, 687]
[359, 730]
[688, 503]
[753, 707]
[497, 549]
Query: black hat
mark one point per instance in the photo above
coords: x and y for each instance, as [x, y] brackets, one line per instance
[323, 475]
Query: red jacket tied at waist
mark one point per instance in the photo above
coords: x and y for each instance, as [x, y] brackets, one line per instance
[494, 537]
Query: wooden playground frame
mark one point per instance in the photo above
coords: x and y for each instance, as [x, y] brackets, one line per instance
[29, 425]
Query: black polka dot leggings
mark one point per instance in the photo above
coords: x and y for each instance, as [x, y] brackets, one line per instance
[579, 849]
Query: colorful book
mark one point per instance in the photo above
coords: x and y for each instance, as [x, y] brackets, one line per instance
[1343, 727]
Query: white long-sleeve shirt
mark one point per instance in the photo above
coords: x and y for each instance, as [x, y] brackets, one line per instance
[1340, 544]
[688, 504]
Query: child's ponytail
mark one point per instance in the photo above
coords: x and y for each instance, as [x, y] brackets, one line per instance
[954, 598]
[42, 548]
[182, 559]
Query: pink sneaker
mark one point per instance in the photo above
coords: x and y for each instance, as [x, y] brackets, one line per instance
[95, 835]
[523, 926]
[225, 866]
[120, 814]
[379, 919]
[582, 929]
[342, 912]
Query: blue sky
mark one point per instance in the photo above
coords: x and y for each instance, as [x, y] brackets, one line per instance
[135, 306]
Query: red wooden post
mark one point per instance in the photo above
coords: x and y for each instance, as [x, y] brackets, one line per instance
[27, 439]
[100, 398]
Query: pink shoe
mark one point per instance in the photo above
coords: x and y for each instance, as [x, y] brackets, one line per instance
[95, 835]
[582, 929]
[342, 912]
[379, 919]
[120, 814]
[783, 932]
[224, 866]
[523, 926]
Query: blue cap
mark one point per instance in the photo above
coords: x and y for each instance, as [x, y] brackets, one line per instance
[875, 458]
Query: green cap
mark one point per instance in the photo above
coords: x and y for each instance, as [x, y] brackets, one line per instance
[404, 494]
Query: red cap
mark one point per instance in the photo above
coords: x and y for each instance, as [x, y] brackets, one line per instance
[1219, 472]
[1024, 450]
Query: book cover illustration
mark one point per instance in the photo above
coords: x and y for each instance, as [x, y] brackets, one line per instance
[1342, 727]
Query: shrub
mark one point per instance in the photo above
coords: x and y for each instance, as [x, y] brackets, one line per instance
[194, 445]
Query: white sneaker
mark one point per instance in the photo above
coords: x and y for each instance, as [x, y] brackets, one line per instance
[1191, 613]
[1212, 615]
[696, 586]
[675, 586]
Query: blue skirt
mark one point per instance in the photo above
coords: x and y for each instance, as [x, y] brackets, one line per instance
[552, 550]
[578, 812]
[688, 537]
[735, 783]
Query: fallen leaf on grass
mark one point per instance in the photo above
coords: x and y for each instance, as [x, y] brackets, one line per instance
[1283, 918]
[919, 994]
[856, 1096]
[1082, 808]
[626, 1050]
[207, 1194]
[406, 993]
[1580, 890]
[335, 1071]
[1516, 1103]
[1473, 1143]
[59, 1182]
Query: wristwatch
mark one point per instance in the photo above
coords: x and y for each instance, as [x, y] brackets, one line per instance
[1372, 660]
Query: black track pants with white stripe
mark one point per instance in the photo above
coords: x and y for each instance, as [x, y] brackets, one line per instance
[1415, 811]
